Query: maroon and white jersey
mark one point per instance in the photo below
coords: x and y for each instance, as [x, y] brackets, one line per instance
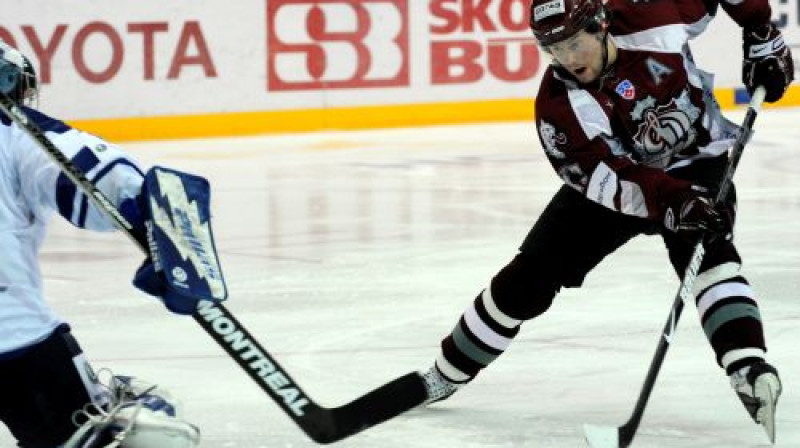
[653, 111]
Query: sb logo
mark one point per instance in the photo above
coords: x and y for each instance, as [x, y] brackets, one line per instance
[314, 44]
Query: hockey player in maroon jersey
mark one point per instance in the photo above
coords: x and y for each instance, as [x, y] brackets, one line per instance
[631, 125]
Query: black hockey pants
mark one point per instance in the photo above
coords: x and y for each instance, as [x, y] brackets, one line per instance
[569, 239]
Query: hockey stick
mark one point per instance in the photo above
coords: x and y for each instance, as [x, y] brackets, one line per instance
[622, 436]
[321, 424]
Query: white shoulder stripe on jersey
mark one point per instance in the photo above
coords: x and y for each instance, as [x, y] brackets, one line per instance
[664, 39]
[668, 38]
[590, 115]
[693, 74]
[697, 28]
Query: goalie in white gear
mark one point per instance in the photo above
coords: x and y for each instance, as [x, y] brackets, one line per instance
[46, 384]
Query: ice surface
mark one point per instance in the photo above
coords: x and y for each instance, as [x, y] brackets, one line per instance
[351, 254]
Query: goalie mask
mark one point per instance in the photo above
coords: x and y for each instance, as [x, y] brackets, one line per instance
[17, 75]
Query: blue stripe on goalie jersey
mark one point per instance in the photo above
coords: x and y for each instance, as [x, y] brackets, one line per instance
[81, 222]
[66, 190]
[45, 123]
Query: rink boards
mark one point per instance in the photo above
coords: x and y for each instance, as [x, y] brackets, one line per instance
[196, 69]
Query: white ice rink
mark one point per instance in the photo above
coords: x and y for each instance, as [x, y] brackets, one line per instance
[350, 255]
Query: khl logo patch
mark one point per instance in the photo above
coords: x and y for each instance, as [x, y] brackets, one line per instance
[626, 90]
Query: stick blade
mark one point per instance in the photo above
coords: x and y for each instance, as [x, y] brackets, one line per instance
[601, 436]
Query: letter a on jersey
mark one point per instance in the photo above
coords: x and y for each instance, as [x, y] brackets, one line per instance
[657, 70]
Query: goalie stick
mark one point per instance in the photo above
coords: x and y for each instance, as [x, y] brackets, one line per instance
[321, 424]
[622, 436]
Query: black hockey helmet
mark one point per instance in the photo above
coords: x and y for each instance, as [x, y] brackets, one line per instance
[17, 76]
[556, 20]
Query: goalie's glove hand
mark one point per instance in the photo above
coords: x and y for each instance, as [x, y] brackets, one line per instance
[147, 279]
[767, 61]
[183, 268]
[693, 213]
[154, 282]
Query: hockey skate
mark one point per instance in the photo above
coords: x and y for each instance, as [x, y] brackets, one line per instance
[759, 387]
[437, 386]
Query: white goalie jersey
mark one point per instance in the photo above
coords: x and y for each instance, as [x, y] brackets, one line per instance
[31, 188]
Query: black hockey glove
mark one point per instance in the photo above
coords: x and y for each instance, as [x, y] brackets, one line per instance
[693, 213]
[767, 61]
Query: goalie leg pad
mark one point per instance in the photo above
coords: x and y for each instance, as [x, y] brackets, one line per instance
[184, 268]
[141, 416]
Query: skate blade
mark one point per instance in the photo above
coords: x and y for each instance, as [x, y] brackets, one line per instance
[767, 389]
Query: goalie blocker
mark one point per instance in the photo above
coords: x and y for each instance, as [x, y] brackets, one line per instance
[183, 268]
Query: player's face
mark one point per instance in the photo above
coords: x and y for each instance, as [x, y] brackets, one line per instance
[581, 54]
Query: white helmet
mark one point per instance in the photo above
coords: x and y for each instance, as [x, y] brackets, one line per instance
[17, 75]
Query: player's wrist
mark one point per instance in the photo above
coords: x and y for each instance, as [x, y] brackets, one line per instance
[673, 191]
[759, 31]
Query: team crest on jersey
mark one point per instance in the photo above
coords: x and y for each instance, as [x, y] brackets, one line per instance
[626, 90]
[551, 138]
[663, 129]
